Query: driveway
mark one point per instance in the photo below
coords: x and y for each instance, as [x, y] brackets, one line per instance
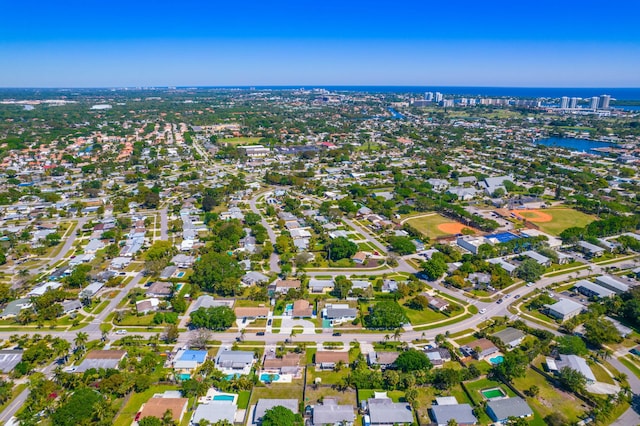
[287, 326]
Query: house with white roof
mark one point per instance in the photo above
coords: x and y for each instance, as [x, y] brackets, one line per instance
[564, 309]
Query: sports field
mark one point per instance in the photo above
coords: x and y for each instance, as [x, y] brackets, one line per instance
[434, 226]
[555, 220]
[240, 141]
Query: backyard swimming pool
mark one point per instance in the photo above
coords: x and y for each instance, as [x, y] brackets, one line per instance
[264, 377]
[497, 360]
[224, 398]
[493, 393]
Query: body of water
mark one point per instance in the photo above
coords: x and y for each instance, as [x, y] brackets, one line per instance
[575, 144]
[619, 93]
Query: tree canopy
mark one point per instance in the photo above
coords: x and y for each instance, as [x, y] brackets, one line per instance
[218, 273]
[386, 314]
[217, 318]
[342, 248]
[413, 360]
[281, 416]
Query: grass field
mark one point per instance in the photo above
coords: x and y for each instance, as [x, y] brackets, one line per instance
[564, 218]
[550, 399]
[431, 226]
[240, 141]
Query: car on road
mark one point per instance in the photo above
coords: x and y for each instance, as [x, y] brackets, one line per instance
[482, 311]
[517, 296]
[260, 333]
[529, 284]
[337, 334]
[121, 332]
[499, 301]
[269, 322]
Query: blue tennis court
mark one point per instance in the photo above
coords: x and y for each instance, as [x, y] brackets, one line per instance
[503, 237]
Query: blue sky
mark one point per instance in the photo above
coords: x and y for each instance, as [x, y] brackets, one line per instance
[543, 43]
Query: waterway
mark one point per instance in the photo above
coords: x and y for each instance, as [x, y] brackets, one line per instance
[574, 144]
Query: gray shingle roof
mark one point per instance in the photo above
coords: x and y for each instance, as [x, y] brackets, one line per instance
[385, 411]
[502, 409]
[461, 413]
[266, 404]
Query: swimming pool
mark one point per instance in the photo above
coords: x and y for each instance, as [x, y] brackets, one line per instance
[493, 393]
[180, 275]
[264, 377]
[224, 398]
[231, 376]
[497, 359]
[184, 376]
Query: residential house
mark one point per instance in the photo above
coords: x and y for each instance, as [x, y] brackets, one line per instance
[320, 286]
[564, 309]
[283, 286]
[186, 361]
[329, 413]
[213, 412]
[438, 304]
[383, 359]
[438, 356]
[448, 409]
[505, 409]
[147, 305]
[288, 364]
[91, 290]
[383, 411]
[591, 250]
[338, 314]
[183, 261]
[481, 348]
[327, 360]
[253, 278]
[105, 359]
[235, 362]
[573, 362]
[540, 259]
[612, 283]
[14, 307]
[590, 289]
[159, 289]
[251, 313]
[359, 258]
[158, 405]
[509, 267]
[69, 306]
[9, 359]
[302, 309]
[42, 289]
[510, 337]
[389, 286]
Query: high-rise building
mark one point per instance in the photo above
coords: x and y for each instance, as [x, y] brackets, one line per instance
[428, 96]
[564, 102]
[573, 103]
[594, 103]
[439, 97]
[604, 101]
[447, 103]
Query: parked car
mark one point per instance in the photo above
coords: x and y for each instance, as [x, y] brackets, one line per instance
[260, 333]
[269, 322]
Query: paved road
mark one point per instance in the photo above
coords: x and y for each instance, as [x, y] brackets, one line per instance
[164, 225]
[631, 416]
[274, 260]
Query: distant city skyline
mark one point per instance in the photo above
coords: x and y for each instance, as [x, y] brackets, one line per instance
[142, 43]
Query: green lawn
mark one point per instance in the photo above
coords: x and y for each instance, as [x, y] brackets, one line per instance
[549, 399]
[315, 394]
[564, 218]
[479, 385]
[277, 391]
[243, 399]
[425, 316]
[327, 377]
[601, 374]
[628, 362]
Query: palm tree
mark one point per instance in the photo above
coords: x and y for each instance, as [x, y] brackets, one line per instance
[81, 340]
[397, 334]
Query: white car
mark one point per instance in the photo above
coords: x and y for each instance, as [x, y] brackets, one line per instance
[482, 311]
[529, 284]
[121, 332]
